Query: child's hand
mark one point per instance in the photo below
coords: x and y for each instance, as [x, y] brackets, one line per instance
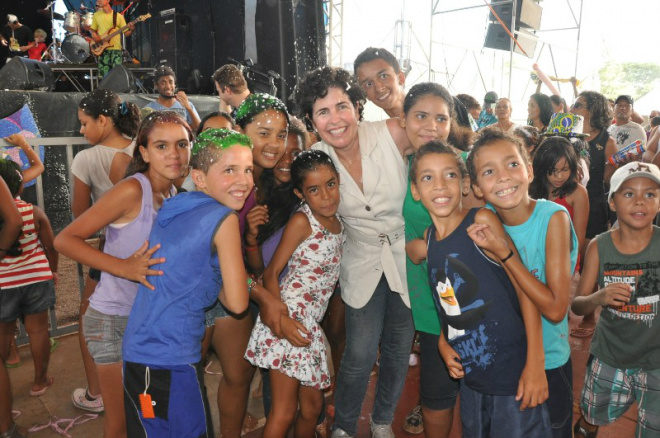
[451, 358]
[136, 267]
[258, 215]
[17, 140]
[614, 294]
[484, 237]
[272, 310]
[294, 332]
[532, 387]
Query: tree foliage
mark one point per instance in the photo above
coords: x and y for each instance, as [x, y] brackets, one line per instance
[633, 78]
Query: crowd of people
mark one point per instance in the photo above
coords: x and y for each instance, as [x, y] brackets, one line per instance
[261, 234]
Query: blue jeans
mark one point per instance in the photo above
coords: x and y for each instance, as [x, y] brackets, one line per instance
[384, 320]
[560, 401]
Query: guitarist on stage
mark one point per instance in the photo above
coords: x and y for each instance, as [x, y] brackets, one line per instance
[104, 21]
[17, 37]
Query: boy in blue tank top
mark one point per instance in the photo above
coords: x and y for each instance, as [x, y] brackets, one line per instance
[490, 339]
[624, 365]
[500, 172]
[200, 242]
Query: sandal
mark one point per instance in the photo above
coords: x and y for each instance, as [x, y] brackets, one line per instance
[53, 344]
[580, 431]
[582, 332]
[42, 391]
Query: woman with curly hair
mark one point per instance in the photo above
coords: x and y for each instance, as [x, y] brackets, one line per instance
[370, 157]
[539, 111]
[594, 107]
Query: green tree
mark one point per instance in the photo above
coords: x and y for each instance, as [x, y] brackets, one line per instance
[633, 78]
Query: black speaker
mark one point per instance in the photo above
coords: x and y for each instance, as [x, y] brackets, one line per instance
[26, 74]
[528, 16]
[173, 32]
[120, 80]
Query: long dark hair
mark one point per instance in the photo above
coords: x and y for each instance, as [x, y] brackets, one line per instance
[600, 115]
[548, 154]
[280, 201]
[11, 173]
[545, 108]
[124, 115]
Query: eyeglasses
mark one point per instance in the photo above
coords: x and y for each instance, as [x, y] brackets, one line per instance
[577, 105]
[13, 22]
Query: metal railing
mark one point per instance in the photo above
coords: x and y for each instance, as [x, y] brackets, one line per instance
[68, 143]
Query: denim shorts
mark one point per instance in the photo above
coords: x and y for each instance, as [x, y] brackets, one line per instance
[31, 299]
[560, 399]
[219, 311]
[104, 335]
[609, 392]
[437, 390]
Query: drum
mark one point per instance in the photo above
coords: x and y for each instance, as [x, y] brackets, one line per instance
[86, 20]
[75, 48]
[71, 21]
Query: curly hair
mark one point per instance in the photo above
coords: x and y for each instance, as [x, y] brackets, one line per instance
[488, 137]
[545, 108]
[229, 75]
[600, 115]
[371, 53]
[315, 86]
[100, 102]
[469, 101]
[548, 154]
[163, 70]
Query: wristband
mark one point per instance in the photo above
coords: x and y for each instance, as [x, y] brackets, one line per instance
[251, 247]
[250, 284]
[507, 257]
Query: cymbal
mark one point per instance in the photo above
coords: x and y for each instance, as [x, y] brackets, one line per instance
[46, 13]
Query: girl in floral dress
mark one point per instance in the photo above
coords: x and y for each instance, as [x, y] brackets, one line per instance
[311, 245]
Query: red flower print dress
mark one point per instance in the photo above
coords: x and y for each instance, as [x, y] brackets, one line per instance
[306, 290]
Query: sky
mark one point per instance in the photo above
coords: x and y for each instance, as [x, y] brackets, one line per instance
[623, 31]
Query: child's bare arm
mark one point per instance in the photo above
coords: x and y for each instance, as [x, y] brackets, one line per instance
[551, 299]
[580, 201]
[122, 201]
[295, 232]
[82, 197]
[256, 217]
[11, 217]
[586, 300]
[451, 358]
[533, 385]
[46, 238]
[416, 250]
[36, 166]
[227, 241]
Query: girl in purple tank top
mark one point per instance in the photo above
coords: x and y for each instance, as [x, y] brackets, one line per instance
[128, 210]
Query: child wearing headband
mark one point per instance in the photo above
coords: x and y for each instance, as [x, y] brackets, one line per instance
[163, 376]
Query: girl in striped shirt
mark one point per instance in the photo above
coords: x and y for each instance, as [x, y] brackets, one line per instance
[27, 280]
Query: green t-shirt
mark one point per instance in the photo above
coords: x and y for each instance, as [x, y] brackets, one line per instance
[628, 336]
[417, 218]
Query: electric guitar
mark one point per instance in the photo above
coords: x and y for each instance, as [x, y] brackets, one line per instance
[98, 48]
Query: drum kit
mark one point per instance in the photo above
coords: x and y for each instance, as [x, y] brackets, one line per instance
[76, 25]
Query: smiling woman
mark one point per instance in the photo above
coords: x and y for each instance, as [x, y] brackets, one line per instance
[373, 175]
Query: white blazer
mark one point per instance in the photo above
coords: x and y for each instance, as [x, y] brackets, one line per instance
[373, 220]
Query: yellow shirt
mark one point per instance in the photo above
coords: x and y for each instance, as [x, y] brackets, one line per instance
[102, 23]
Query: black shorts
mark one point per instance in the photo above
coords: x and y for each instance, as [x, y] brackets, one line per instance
[437, 391]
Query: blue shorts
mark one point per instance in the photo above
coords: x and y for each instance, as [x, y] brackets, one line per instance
[437, 391]
[104, 335]
[219, 311]
[178, 398]
[31, 299]
[487, 416]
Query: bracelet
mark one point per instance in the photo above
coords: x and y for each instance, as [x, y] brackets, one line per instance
[507, 257]
[250, 284]
[251, 247]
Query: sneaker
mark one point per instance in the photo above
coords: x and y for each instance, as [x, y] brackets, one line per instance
[338, 433]
[414, 422]
[81, 400]
[382, 431]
